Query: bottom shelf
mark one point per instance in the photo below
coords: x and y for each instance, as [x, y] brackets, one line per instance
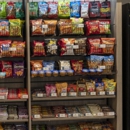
[73, 118]
[14, 121]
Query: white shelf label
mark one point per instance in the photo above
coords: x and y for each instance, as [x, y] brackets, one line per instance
[88, 114]
[72, 93]
[2, 97]
[37, 116]
[93, 93]
[102, 45]
[111, 93]
[12, 49]
[25, 96]
[53, 94]
[80, 25]
[40, 95]
[83, 94]
[102, 67]
[44, 26]
[111, 113]
[102, 93]
[63, 94]
[75, 115]
[100, 114]
[75, 46]
[62, 115]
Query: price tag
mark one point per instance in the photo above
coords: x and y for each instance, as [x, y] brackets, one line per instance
[80, 25]
[62, 115]
[100, 114]
[63, 94]
[102, 67]
[75, 46]
[102, 45]
[25, 96]
[2, 97]
[72, 94]
[93, 93]
[102, 93]
[37, 116]
[111, 113]
[40, 95]
[88, 114]
[75, 115]
[53, 94]
[12, 49]
[54, 47]
[44, 26]
[83, 94]
[111, 93]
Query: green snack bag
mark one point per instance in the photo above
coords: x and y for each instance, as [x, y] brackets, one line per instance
[3, 9]
[64, 8]
[19, 10]
[33, 8]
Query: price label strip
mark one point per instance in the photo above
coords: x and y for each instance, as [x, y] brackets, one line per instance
[82, 93]
[63, 94]
[111, 93]
[75, 114]
[37, 116]
[100, 114]
[101, 93]
[53, 94]
[62, 115]
[92, 93]
[88, 114]
[111, 113]
[40, 95]
[73, 94]
[25, 96]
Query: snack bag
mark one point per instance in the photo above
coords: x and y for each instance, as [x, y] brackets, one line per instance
[33, 9]
[61, 88]
[36, 65]
[15, 27]
[43, 8]
[52, 9]
[5, 48]
[84, 9]
[7, 68]
[4, 28]
[22, 92]
[50, 65]
[94, 9]
[18, 69]
[19, 10]
[38, 48]
[75, 9]
[37, 27]
[10, 10]
[64, 8]
[90, 86]
[64, 65]
[99, 87]
[105, 10]
[12, 94]
[3, 9]
[72, 88]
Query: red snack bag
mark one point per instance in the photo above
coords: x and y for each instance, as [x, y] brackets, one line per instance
[22, 93]
[38, 48]
[12, 94]
[94, 9]
[94, 46]
[93, 27]
[5, 48]
[72, 88]
[52, 9]
[10, 10]
[36, 65]
[7, 68]
[77, 66]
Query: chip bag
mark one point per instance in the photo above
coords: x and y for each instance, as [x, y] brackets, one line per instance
[19, 10]
[10, 10]
[33, 9]
[84, 9]
[36, 65]
[75, 9]
[3, 9]
[64, 8]
[4, 28]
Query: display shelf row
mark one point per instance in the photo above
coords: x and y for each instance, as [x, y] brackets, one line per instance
[14, 121]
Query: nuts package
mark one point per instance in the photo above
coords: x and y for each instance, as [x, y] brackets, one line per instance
[84, 9]
[52, 9]
[15, 27]
[33, 9]
[105, 10]
[51, 46]
[12, 94]
[5, 48]
[49, 27]
[42, 8]
[17, 49]
[77, 66]
[38, 48]
[64, 8]
[10, 10]
[80, 46]
[36, 65]
[7, 68]
[18, 69]
[94, 9]
[19, 10]
[3, 9]
[4, 28]
[75, 9]
[66, 46]
[37, 27]
[64, 65]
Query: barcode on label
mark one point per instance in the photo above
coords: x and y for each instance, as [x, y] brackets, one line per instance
[111, 113]
[75, 115]
[73, 94]
[88, 114]
[63, 94]
[37, 116]
[24, 96]
[111, 93]
[40, 95]
[83, 93]
[2, 97]
[93, 93]
[100, 114]
[54, 94]
[62, 115]
[102, 93]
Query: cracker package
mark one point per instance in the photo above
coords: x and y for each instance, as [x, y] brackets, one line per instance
[18, 69]
[4, 28]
